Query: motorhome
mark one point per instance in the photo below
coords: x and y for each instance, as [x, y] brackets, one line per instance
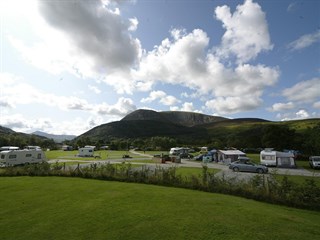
[86, 151]
[269, 157]
[178, 150]
[20, 157]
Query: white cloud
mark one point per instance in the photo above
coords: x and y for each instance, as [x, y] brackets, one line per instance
[278, 107]
[305, 41]
[77, 126]
[96, 30]
[85, 38]
[305, 91]
[123, 107]
[93, 40]
[94, 89]
[165, 99]
[300, 114]
[188, 107]
[17, 93]
[246, 31]
[227, 105]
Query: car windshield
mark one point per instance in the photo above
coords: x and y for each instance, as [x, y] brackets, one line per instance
[316, 159]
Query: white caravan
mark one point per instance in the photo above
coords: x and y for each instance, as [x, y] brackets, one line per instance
[268, 157]
[20, 157]
[86, 152]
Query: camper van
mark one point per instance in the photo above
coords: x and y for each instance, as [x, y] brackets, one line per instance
[314, 161]
[271, 158]
[20, 157]
[178, 150]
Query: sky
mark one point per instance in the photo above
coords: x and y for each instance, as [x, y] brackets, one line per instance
[67, 66]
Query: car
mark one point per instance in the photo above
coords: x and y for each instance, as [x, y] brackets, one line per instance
[314, 162]
[247, 166]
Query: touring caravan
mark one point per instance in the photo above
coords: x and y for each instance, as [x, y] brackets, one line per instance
[86, 151]
[20, 157]
[271, 158]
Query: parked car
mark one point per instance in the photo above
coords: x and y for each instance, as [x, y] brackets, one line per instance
[314, 162]
[247, 166]
[186, 155]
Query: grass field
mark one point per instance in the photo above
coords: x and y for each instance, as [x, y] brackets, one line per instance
[103, 155]
[73, 208]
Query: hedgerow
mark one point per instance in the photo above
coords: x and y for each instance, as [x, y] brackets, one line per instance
[260, 187]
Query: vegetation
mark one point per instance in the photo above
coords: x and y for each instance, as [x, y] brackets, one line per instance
[269, 189]
[74, 208]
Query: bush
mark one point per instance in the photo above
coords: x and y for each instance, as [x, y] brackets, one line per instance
[261, 187]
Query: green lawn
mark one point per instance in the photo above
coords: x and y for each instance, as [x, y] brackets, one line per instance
[103, 154]
[74, 208]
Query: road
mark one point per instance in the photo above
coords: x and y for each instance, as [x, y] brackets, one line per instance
[225, 171]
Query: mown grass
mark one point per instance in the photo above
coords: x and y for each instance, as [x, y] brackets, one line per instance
[74, 208]
[102, 155]
[192, 171]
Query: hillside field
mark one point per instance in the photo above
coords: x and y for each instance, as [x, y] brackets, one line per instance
[73, 208]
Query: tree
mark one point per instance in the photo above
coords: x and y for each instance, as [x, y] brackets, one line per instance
[278, 136]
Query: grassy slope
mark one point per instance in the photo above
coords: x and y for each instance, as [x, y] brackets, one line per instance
[72, 208]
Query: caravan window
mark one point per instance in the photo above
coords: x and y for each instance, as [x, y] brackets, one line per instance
[39, 156]
[3, 156]
[268, 157]
[28, 155]
[12, 156]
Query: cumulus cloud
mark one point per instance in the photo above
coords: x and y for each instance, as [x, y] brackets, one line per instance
[278, 107]
[300, 114]
[163, 98]
[123, 107]
[85, 38]
[305, 41]
[95, 29]
[304, 91]
[92, 39]
[188, 107]
[246, 31]
[227, 105]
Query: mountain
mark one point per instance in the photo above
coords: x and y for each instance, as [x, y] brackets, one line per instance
[4, 130]
[188, 119]
[198, 129]
[56, 138]
[142, 129]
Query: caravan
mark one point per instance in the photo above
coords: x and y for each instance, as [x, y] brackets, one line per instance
[20, 157]
[86, 151]
[268, 157]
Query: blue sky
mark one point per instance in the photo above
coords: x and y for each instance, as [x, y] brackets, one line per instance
[68, 66]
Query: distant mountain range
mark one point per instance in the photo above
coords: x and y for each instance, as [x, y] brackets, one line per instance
[185, 127]
[56, 138]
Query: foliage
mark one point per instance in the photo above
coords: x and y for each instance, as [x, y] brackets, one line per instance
[261, 187]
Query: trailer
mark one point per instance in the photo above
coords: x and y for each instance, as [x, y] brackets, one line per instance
[86, 151]
[271, 158]
[21, 157]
